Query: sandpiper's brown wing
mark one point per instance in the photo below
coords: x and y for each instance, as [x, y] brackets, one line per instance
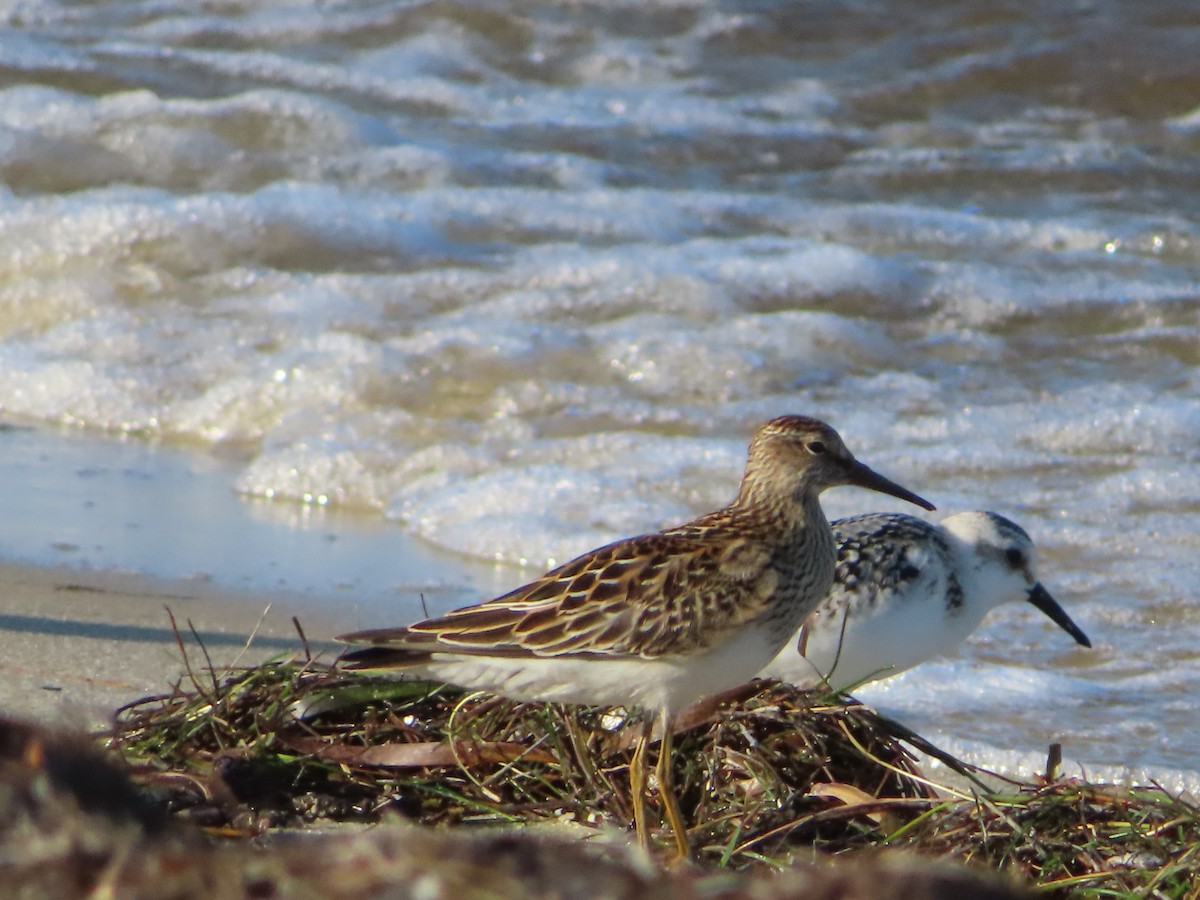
[657, 594]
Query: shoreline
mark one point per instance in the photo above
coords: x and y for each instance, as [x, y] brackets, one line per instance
[89, 504]
[101, 537]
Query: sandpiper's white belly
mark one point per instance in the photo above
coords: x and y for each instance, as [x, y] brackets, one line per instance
[665, 683]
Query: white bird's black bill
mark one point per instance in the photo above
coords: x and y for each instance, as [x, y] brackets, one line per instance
[1040, 597]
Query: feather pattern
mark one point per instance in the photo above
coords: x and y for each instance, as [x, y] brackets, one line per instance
[688, 592]
[880, 553]
[668, 593]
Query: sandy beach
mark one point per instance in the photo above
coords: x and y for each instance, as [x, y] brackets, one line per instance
[101, 537]
[78, 644]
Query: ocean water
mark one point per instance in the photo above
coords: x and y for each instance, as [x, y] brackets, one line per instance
[500, 282]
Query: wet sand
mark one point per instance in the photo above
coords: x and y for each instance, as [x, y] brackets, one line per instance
[75, 645]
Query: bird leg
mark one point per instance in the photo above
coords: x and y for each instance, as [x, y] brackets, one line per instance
[637, 782]
[666, 788]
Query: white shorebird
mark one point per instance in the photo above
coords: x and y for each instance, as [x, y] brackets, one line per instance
[661, 620]
[906, 591]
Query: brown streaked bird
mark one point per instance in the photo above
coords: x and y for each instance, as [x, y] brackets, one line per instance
[660, 620]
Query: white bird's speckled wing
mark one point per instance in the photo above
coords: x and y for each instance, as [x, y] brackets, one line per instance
[882, 556]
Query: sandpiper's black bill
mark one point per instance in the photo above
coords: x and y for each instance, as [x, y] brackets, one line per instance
[865, 476]
[1040, 597]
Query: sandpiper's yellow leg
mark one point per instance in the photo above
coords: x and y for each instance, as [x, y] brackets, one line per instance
[666, 789]
[637, 783]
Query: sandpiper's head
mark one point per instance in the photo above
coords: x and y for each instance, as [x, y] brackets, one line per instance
[996, 558]
[794, 455]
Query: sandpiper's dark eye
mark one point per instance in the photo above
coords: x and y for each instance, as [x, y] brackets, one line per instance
[816, 447]
[1015, 557]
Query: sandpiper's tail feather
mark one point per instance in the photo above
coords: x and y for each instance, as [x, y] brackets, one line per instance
[384, 658]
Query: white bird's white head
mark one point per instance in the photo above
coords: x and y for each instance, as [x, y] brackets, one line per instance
[996, 563]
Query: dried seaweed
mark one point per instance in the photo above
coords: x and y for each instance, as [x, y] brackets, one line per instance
[770, 776]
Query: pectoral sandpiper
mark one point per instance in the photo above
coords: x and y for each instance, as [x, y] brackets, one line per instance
[660, 620]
